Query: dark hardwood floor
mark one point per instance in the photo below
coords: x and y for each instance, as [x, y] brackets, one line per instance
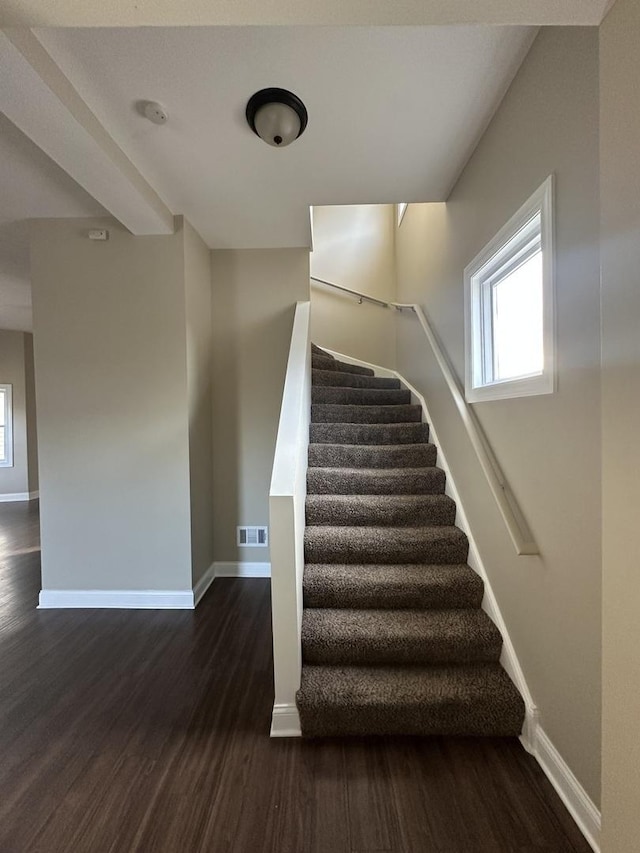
[148, 731]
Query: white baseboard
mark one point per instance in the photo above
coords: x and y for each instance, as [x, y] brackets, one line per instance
[203, 584]
[242, 570]
[19, 496]
[285, 721]
[125, 599]
[573, 795]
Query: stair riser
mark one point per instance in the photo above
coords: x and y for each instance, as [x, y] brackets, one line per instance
[369, 434]
[360, 396]
[426, 720]
[381, 651]
[319, 362]
[380, 511]
[320, 590]
[443, 553]
[345, 414]
[337, 481]
[336, 378]
[372, 456]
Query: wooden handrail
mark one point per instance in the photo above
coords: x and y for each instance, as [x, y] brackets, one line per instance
[516, 524]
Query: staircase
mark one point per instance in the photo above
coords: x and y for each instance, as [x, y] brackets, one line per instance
[394, 640]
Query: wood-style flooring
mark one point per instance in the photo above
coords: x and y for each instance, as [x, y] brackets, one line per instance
[148, 731]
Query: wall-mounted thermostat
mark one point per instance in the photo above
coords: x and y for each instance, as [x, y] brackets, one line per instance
[99, 234]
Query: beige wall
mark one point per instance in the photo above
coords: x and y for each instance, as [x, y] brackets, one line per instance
[620, 205]
[110, 356]
[15, 480]
[354, 245]
[197, 279]
[32, 421]
[254, 295]
[548, 446]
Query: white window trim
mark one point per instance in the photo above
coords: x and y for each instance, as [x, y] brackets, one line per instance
[545, 382]
[7, 462]
[401, 209]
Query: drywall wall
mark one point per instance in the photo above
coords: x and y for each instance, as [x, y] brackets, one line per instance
[620, 247]
[254, 296]
[548, 446]
[32, 419]
[113, 431]
[197, 282]
[353, 245]
[15, 480]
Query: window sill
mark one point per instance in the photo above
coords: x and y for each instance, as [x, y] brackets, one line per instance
[530, 387]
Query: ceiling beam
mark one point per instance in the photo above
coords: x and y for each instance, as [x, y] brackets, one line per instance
[124, 13]
[37, 97]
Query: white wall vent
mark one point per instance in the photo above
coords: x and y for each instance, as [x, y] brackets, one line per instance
[253, 537]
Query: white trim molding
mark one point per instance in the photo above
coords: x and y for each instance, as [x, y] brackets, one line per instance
[242, 570]
[19, 496]
[285, 721]
[123, 599]
[203, 584]
[581, 807]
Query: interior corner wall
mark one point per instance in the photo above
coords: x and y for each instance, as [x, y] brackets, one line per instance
[111, 389]
[620, 235]
[197, 280]
[15, 480]
[254, 296]
[354, 246]
[546, 445]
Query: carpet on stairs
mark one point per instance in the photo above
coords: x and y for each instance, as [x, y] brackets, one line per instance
[394, 637]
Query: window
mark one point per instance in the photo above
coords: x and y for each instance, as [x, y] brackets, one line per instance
[510, 350]
[401, 209]
[6, 416]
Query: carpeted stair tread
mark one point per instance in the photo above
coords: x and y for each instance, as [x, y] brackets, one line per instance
[468, 699]
[346, 414]
[372, 455]
[373, 586]
[444, 545]
[322, 362]
[365, 637]
[380, 510]
[337, 378]
[375, 481]
[368, 433]
[360, 396]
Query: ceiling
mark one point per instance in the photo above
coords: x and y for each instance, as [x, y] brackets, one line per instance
[394, 113]
[31, 185]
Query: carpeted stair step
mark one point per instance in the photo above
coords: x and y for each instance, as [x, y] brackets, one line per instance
[351, 380]
[359, 396]
[444, 545]
[375, 481]
[316, 350]
[372, 455]
[369, 637]
[472, 699]
[337, 414]
[372, 586]
[321, 362]
[413, 433]
[381, 510]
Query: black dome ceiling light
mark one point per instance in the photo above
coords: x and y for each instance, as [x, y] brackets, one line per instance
[277, 116]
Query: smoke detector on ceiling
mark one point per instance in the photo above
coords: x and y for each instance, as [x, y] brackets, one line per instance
[155, 112]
